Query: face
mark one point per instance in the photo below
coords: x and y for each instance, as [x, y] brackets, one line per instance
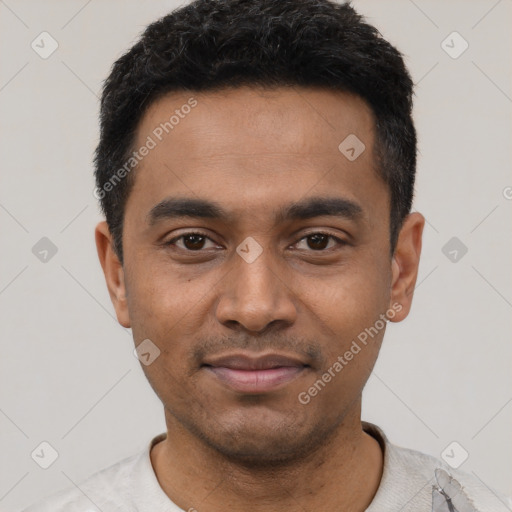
[256, 253]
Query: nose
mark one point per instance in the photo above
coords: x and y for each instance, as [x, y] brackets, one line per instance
[255, 295]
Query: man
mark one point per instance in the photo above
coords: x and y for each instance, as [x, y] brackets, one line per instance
[256, 169]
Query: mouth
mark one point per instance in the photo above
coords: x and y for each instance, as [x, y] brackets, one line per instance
[255, 374]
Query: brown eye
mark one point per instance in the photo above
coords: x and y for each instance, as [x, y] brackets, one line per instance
[320, 241]
[192, 242]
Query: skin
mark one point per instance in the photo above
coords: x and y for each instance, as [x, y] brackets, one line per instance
[254, 151]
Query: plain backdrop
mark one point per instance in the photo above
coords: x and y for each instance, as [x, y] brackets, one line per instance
[68, 374]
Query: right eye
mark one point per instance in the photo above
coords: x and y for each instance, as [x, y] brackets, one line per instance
[192, 241]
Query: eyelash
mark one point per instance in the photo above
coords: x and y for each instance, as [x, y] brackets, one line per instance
[338, 240]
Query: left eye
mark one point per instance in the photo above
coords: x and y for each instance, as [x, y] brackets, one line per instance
[317, 241]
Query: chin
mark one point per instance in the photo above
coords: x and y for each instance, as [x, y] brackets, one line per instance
[264, 452]
[265, 444]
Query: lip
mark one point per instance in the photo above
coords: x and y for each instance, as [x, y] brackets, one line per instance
[255, 374]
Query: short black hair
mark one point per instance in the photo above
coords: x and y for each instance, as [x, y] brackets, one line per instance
[209, 45]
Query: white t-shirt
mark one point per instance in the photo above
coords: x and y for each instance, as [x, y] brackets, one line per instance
[408, 484]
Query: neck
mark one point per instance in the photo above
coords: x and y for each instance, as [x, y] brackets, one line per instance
[344, 474]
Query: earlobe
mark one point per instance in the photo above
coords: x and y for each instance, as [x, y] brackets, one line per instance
[113, 271]
[405, 264]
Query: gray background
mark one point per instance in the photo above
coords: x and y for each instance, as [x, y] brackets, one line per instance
[68, 374]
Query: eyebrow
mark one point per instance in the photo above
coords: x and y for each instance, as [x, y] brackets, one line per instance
[181, 207]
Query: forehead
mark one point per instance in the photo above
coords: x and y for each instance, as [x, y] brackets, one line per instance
[249, 146]
[307, 121]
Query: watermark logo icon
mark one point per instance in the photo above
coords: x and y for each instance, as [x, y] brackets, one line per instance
[454, 45]
[44, 45]
[44, 250]
[454, 250]
[146, 352]
[249, 249]
[351, 147]
[44, 455]
[454, 454]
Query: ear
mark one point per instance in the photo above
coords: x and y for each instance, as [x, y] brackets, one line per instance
[405, 263]
[114, 273]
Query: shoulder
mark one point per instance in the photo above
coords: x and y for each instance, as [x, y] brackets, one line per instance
[436, 482]
[415, 481]
[108, 490]
[464, 489]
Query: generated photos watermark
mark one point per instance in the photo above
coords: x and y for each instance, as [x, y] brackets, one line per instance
[157, 135]
[342, 360]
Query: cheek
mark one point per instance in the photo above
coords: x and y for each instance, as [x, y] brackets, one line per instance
[163, 300]
[348, 318]
[351, 301]
[347, 313]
